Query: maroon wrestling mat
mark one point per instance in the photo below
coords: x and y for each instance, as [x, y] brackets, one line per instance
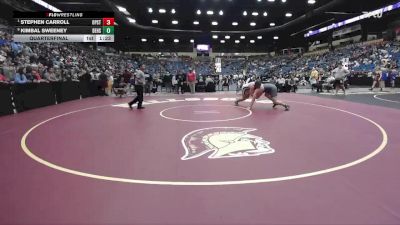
[201, 160]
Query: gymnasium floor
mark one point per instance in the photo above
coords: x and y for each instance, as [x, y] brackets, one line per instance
[197, 159]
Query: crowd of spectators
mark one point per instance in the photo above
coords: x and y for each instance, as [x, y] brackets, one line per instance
[54, 62]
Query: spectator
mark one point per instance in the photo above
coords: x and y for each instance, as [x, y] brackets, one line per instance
[314, 78]
[149, 84]
[127, 76]
[329, 83]
[85, 76]
[280, 84]
[240, 84]
[9, 70]
[191, 80]
[103, 84]
[340, 74]
[37, 78]
[225, 82]
[167, 83]
[181, 82]
[384, 78]
[209, 80]
[110, 81]
[175, 84]
[292, 84]
[28, 74]
[377, 78]
[51, 75]
[16, 48]
[20, 77]
[392, 77]
[3, 79]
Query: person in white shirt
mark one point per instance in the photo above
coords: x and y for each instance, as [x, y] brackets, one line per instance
[240, 84]
[139, 87]
[280, 83]
[209, 80]
[328, 85]
[174, 82]
[314, 78]
[340, 73]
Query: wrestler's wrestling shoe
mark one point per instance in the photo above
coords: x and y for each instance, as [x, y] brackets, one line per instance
[287, 107]
[236, 103]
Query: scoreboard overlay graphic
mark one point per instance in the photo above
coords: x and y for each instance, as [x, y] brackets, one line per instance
[64, 26]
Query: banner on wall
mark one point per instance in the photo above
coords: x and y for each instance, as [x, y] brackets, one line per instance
[218, 65]
[345, 63]
[346, 30]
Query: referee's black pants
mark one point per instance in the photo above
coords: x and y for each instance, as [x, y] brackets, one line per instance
[139, 96]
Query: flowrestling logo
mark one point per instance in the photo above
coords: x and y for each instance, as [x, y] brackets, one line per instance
[224, 142]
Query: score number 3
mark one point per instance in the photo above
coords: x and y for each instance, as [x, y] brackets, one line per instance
[108, 21]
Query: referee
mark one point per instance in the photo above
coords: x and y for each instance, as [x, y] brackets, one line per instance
[139, 84]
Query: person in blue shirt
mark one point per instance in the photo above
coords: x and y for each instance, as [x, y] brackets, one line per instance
[3, 42]
[16, 48]
[20, 77]
[392, 77]
[384, 78]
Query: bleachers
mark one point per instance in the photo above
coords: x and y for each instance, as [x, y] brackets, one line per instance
[52, 63]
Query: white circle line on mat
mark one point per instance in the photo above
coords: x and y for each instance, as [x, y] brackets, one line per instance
[386, 100]
[370, 155]
[162, 114]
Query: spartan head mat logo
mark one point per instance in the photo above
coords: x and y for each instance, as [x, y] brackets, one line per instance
[224, 142]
